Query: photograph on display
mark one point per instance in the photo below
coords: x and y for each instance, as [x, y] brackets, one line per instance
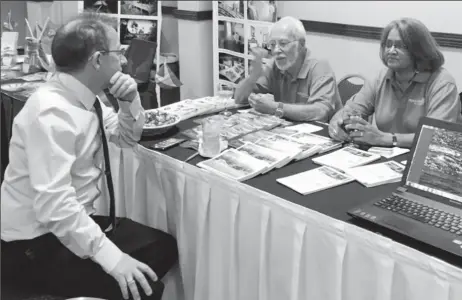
[231, 36]
[258, 39]
[231, 9]
[140, 29]
[442, 169]
[231, 68]
[265, 11]
[139, 8]
[101, 6]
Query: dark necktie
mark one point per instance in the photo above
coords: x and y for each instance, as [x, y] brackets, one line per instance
[112, 218]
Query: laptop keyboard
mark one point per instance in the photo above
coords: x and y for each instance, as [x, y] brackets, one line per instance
[432, 216]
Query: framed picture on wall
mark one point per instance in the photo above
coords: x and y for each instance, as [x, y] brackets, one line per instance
[231, 9]
[231, 36]
[139, 8]
[137, 28]
[101, 6]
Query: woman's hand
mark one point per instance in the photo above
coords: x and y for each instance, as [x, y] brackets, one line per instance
[335, 128]
[365, 133]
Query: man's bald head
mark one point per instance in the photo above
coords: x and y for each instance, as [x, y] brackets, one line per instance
[292, 27]
[78, 39]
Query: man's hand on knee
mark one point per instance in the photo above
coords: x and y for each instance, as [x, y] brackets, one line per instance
[129, 271]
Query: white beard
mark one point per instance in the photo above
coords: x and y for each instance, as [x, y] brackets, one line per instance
[287, 65]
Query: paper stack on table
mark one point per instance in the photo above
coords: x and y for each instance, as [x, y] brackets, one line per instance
[315, 180]
[238, 125]
[192, 108]
[377, 174]
[388, 152]
[235, 165]
[346, 158]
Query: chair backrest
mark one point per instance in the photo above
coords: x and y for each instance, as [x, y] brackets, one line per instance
[140, 59]
[460, 97]
[349, 85]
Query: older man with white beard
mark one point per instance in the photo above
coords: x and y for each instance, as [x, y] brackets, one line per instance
[294, 85]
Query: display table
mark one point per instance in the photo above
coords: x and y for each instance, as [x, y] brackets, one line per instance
[260, 240]
[237, 241]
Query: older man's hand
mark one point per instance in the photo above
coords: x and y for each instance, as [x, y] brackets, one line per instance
[257, 63]
[263, 103]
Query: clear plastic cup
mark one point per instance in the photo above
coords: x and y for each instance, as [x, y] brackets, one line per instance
[210, 143]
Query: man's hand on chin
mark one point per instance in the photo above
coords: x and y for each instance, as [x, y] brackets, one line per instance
[263, 103]
[123, 87]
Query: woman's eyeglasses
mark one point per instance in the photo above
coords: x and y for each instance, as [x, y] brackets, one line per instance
[397, 44]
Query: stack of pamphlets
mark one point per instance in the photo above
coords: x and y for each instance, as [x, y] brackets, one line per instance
[192, 108]
[315, 180]
[234, 164]
[377, 174]
[345, 158]
[388, 152]
[238, 125]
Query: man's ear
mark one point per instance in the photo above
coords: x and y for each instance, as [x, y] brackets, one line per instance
[95, 60]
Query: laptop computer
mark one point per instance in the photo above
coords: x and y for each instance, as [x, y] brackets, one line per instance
[427, 206]
[140, 59]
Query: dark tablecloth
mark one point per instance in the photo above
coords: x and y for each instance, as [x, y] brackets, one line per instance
[326, 202]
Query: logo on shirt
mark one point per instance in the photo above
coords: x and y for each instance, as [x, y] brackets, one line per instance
[417, 101]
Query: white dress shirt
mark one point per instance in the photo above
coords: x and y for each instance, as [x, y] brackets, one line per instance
[55, 170]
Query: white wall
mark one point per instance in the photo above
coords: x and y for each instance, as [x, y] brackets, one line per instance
[196, 52]
[356, 55]
[439, 16]
[169, 37]
[58, 11]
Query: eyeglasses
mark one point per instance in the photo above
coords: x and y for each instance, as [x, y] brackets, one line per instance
[120, 52]
[282, 44]
[397, 44]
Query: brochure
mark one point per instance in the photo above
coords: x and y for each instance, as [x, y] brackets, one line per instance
[377, 174]
[315, 180]
[345, 158]
[234, 164]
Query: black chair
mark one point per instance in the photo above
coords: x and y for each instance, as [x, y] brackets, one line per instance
[460, 97]
[349, 85]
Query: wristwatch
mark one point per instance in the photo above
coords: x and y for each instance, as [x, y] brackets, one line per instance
[279, 110]
[394, 140]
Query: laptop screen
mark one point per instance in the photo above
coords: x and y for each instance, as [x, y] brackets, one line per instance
[436, 166]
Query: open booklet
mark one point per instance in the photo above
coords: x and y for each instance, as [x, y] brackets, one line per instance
[315, 180]
[234, 164]
[306, 149]
[377, 174]
[345, 158]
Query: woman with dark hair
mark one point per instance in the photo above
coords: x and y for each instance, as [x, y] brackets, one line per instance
[413, 85]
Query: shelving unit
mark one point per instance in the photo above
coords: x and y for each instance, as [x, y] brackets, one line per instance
[132, 16]
[237, 27]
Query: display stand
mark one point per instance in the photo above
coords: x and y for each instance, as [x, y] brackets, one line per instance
[135, 19]
[238, 26]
